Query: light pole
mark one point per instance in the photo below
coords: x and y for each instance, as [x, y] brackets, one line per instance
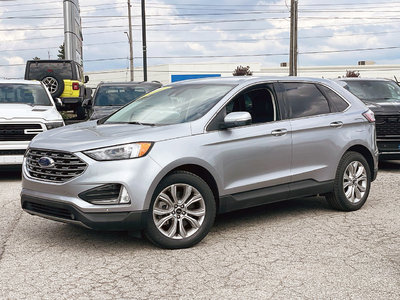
[130, 40]
[293, 38]
[144, 41]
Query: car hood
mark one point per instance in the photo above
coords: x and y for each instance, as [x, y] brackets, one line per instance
[384, 107]
[90, 135]
[103, 111]
[23, 112]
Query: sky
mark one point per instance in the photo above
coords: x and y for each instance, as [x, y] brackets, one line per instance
[186, 31]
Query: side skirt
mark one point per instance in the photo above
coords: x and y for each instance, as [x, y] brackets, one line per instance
[273, 194]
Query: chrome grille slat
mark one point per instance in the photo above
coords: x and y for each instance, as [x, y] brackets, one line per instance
[16, 132]
[67, 165]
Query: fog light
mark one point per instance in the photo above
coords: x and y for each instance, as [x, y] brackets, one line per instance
[124, 196]
[107, 194]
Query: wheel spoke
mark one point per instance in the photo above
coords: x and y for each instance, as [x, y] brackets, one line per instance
[161, 211]
[173, 193]
[346, 184]
[349, 192]
[188, 192]
[164, 197]
[357, 193]
[194, 199]
[162, 221]
[197, 213]
[182, 230]
[173, 229]
[361, 188]
[360, 171]
[195, 224]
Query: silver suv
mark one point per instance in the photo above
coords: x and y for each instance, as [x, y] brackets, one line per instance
[167, 163]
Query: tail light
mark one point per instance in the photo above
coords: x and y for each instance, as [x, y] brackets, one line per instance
[369, 115]
[75, 86]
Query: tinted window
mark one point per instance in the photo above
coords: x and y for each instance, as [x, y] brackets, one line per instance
[337, 102]
[39, 70]
[304, 99]
[258, 102]
[117, 95]
[23, 94]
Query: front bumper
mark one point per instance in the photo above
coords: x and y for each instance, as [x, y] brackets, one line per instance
[67, 213]
[388, 148]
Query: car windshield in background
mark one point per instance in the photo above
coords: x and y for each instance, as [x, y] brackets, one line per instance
[38, 70]
[374, 90]
[172, 104]
[117, 95]
[23, 94]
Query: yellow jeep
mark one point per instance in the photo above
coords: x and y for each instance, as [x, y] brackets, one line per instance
[64, 79]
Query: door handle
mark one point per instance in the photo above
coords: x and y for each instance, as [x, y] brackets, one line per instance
[336, 124]
[279, 132]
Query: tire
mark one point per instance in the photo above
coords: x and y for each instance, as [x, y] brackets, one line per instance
[54, 84]
[352, 183]
[183, 206]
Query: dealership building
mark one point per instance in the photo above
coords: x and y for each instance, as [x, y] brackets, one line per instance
[175, 72]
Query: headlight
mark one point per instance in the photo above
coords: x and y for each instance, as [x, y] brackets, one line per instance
[126, 151]
[54, 125]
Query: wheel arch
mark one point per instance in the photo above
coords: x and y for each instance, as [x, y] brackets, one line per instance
[194, 167]
[368, 156]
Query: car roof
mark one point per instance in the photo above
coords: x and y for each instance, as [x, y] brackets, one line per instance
[362, 79]
[133, 83]
[244, 80]
[20, 81]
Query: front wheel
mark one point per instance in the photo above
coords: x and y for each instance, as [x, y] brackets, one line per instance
[352, 183]
[181, 212]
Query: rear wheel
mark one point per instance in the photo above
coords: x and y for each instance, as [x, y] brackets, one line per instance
[182, 211]
[352, 183]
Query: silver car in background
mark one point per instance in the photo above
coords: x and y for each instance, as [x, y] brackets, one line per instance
[168, 162]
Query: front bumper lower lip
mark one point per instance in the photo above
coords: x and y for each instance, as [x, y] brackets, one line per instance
[63, 212]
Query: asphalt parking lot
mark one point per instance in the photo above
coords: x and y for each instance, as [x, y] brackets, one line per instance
[294, 249]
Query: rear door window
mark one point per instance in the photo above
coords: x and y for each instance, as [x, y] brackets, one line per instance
[304, 100]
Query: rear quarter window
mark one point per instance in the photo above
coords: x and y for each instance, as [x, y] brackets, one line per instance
[338, 104]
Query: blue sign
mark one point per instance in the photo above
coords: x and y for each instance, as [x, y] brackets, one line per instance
[175, 78]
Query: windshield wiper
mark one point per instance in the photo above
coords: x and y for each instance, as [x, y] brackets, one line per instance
[139, 123]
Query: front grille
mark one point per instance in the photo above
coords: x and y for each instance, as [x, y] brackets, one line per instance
[388, 125]
[12, 152]
[19, 132]
[58, 212]
[66, 165]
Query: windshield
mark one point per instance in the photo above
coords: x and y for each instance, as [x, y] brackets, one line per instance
[118, 95]
[23, 94]
[374, 90]
[172, 104]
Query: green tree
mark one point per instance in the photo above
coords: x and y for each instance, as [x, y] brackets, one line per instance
[61, 52]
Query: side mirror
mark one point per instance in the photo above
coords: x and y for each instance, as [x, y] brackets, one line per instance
[86, 78]
[87, 103]
[235, 119]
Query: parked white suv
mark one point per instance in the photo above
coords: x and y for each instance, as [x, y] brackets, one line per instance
[26, 109]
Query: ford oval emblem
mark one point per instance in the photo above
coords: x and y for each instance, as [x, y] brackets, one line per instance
[46, 162]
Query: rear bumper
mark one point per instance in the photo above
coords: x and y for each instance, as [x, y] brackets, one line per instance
[67, 213]
[72, 100]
